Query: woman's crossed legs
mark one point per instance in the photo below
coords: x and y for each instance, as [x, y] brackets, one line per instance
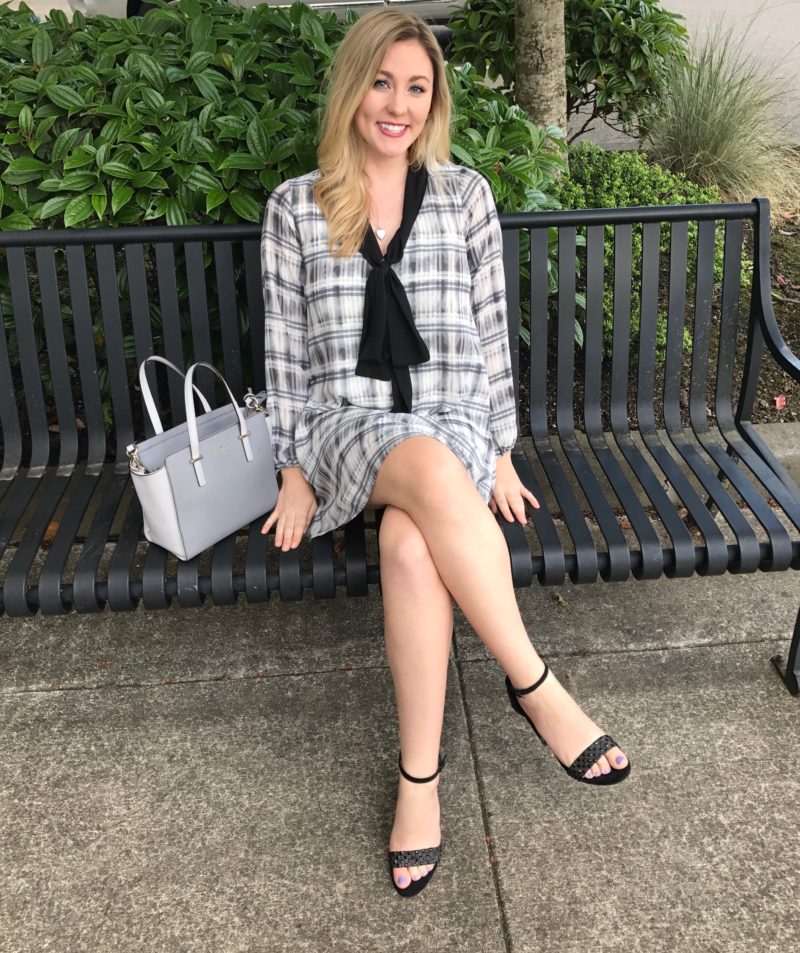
[438, 538]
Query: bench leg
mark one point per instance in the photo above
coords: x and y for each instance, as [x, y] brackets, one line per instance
[790, 672]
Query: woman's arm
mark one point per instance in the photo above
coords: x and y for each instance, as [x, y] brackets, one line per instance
[485, 255]
[286, 365]
[285, 327]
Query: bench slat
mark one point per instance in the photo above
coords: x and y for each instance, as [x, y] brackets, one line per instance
[28, 349]
[87, 360]
[85, 591]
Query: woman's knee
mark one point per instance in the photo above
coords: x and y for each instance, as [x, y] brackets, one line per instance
[420, 466]
[402, 546]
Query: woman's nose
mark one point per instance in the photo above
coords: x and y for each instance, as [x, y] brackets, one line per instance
[397, 102]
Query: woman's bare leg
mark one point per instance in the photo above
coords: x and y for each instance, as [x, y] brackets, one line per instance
[418, 613]
[422, 477]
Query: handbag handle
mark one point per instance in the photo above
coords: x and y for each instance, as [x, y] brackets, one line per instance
[191, 422]
[149, 403]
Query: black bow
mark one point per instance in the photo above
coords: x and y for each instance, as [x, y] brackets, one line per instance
[390, 341]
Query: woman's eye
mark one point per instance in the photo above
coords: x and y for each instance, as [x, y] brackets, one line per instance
[418, 89]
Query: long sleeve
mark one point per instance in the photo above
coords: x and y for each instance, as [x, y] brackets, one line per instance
[485, 253]
[286, 351]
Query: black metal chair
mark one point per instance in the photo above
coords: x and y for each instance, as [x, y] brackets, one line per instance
[83, 307]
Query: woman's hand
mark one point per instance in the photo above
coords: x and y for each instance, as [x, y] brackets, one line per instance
[510, 493]
[294, 509]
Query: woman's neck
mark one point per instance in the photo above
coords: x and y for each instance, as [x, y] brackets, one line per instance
[386, 175]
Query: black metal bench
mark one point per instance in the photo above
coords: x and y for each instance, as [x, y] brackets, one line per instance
[639, 495]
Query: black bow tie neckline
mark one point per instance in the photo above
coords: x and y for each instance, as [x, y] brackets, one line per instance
[390, 342]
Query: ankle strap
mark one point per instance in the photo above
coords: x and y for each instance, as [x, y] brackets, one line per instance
[526, 691]
[408, 777]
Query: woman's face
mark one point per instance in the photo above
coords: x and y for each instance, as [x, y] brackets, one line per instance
[393, 112]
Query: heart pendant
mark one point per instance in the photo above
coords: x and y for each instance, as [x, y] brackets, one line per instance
[381, 233]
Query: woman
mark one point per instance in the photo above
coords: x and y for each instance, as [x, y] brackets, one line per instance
[390, 388]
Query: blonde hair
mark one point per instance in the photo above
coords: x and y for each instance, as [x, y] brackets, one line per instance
[340, 191]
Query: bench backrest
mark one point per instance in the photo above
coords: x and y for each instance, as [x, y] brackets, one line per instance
[82, 307]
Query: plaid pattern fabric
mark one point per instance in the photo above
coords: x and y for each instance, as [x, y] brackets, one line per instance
[339, 427]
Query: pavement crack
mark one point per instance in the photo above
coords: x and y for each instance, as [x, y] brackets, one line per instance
[482, 798]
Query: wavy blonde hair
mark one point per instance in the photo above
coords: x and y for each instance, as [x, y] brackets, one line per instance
[340, 191]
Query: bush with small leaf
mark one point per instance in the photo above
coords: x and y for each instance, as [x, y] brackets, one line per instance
[617, 52]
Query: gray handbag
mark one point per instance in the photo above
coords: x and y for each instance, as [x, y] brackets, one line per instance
[207, 478]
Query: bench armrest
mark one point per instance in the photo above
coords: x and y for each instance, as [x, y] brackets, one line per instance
[762, 290]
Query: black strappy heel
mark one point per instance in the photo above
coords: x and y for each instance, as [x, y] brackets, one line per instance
[587, 758]
[415, 858]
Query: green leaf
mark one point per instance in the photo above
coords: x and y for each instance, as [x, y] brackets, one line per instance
[27, 164]
[198, 62]
[16, 222]
[175, 212]
[153, 100]
[25, 121]
[201, 180]
[199, 29]
[246, 207]
[64, 144]
[152, 71]
[99, 203]
[257, 140]
[270, 179]
[207, 89]
[243, 160]
[78, 181]
[26, 84]
[66, 97]
[55, 205]
[42, 47]
[215, 198]
[81, 157]
[59, 19]
[120, 170]
[311, 26]
[461, 154]
[148, 180]
[78, 210]
[120, 196]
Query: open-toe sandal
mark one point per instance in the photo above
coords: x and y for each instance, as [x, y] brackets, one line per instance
[420, 857]
[587, 758]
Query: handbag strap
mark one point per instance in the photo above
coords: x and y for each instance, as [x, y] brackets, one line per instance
[149, 403]
[195, 457]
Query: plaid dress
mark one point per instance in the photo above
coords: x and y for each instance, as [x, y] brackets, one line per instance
[338, 427]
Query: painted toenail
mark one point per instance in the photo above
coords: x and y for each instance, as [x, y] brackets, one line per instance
[402, 881]
[620, 759]
[606, 770]
[415, 876]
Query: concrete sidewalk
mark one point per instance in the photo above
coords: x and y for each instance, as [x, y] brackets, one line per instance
[224, 780]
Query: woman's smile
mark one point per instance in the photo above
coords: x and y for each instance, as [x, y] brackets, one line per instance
[392, 129]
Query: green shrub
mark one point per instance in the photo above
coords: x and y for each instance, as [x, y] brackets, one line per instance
[195, 113]
[599, 178]
[717, 121]
[617, 52]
